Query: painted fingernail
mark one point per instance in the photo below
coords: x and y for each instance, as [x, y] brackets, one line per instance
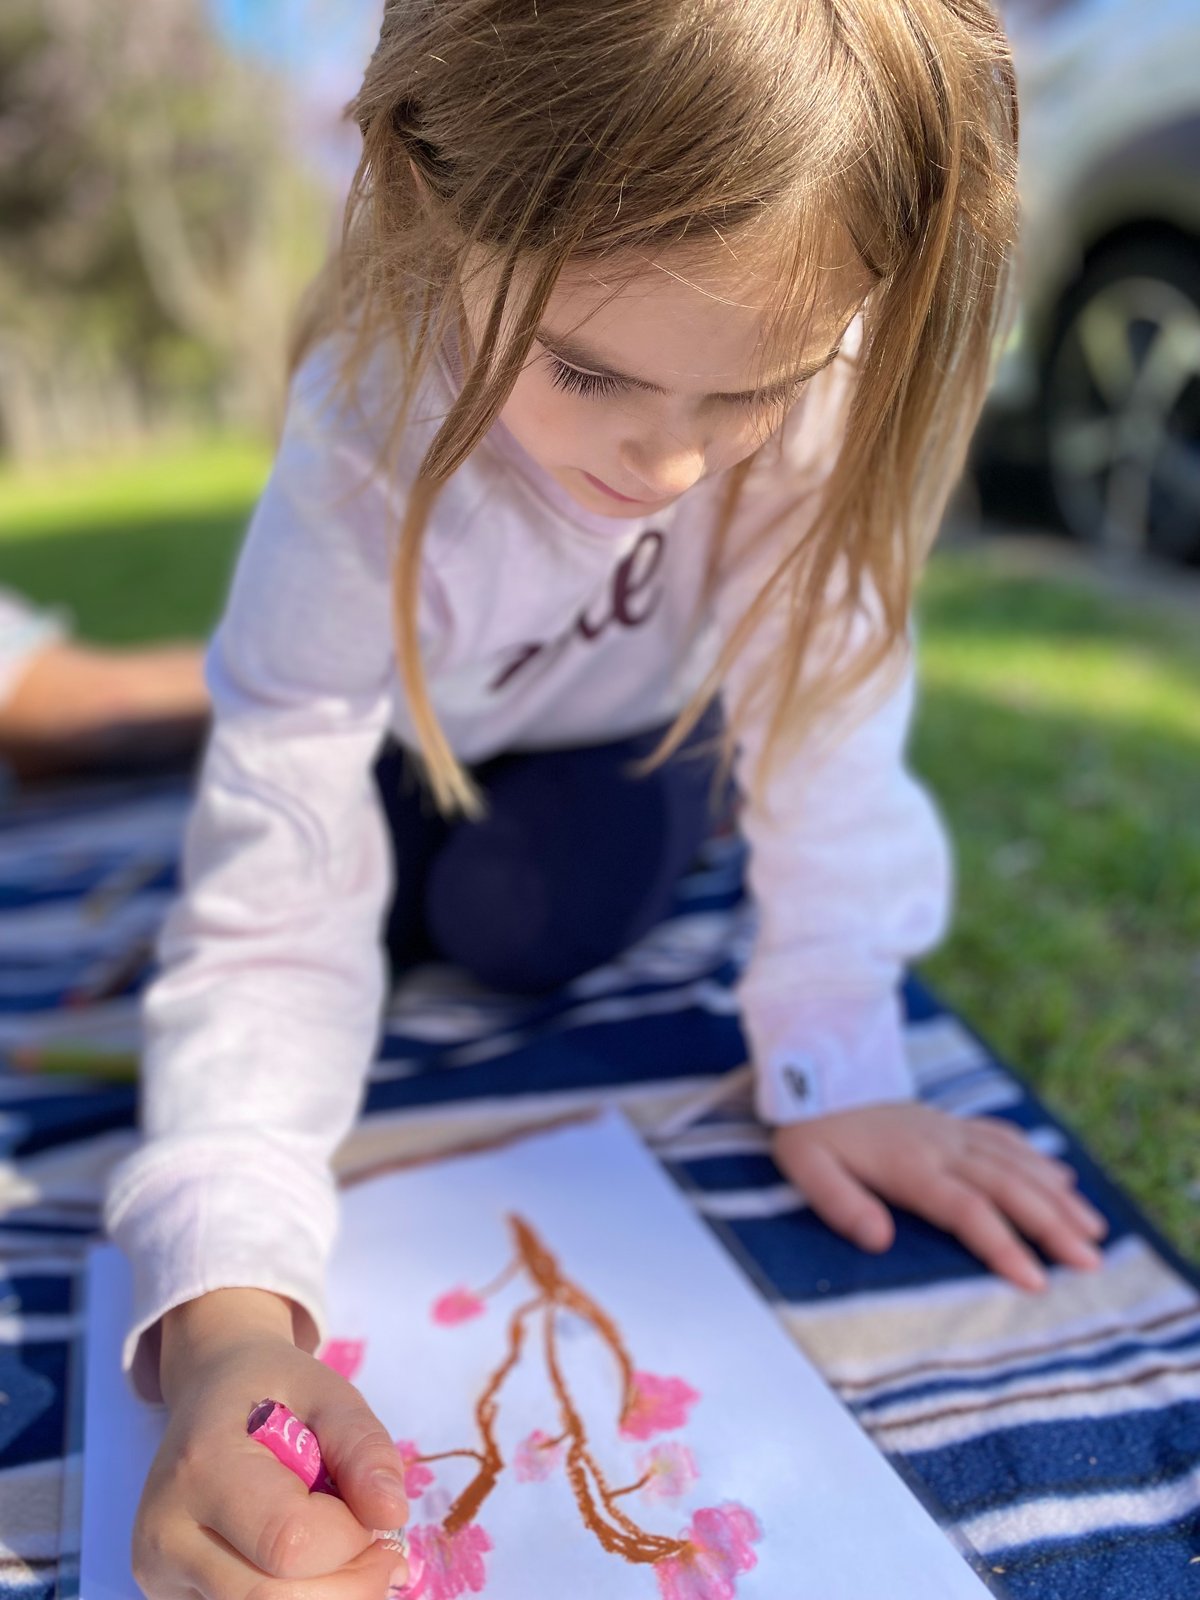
[394, 1539]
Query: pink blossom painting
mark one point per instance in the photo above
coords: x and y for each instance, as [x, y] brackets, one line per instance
[700, 1562]
[587, 1399]
[344, 1356]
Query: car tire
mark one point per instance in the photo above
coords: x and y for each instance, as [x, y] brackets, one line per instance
[1120, 410]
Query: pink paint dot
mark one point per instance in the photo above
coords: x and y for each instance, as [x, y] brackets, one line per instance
[669, 1470]
[457, 1305]
[417, 1476]
[536, 1457]
[343, 1356]
[448, 1565]
[718, 1551]
[656, 1405]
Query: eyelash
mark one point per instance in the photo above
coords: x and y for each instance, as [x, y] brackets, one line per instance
[595, 385]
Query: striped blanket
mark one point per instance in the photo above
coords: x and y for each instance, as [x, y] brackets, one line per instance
[1056, 1439]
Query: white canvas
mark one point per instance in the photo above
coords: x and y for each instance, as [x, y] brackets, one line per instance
[747, 1456]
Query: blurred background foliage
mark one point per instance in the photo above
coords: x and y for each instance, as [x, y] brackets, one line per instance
[155, 228]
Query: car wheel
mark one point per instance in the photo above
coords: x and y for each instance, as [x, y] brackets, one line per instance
[1121, 401]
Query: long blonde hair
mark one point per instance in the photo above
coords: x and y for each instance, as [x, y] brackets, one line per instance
[548, 132]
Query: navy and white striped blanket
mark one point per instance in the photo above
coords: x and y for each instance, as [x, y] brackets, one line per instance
[1056, 1438]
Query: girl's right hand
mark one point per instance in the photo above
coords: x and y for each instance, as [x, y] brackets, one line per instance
[220, 1517]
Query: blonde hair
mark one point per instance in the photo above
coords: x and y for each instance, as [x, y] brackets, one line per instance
[551, 132]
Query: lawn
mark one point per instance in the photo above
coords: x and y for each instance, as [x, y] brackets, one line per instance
[1059, 728]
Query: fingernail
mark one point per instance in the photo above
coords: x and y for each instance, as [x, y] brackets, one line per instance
[869, 1236]
[1035, 1278]
[405, 1579]
[1086, 1255]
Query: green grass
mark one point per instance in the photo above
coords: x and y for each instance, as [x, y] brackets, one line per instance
[1059, 729]
[133, 550]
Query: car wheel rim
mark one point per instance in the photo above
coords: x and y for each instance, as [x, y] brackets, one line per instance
[1123, 419]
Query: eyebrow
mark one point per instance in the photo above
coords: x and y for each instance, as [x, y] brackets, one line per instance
[578, 355]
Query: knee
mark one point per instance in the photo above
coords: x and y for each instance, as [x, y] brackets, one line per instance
[487, 910]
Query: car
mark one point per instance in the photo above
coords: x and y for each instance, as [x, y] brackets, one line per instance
[1096, 400]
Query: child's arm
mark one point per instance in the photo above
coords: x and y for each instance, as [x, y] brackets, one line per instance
[260, 1028]
[259, 1032]
[263, 1021]
[852, 872]
[67, 706]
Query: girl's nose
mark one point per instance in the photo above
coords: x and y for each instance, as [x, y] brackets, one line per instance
[663, 467]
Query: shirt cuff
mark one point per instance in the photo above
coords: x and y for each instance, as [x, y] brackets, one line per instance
[227, 1212]
[816, 1055]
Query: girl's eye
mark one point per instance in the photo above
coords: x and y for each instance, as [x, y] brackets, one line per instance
[577, 382]
[774, 402]
[594, 384]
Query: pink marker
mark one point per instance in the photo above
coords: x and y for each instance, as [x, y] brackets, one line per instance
[295, 1444]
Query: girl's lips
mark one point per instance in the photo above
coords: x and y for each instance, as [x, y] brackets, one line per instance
[604, 489]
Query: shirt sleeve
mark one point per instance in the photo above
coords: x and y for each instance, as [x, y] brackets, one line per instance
[263, 1020]
[850, 866]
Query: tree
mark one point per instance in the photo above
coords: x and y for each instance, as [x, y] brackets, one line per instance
[155, 227]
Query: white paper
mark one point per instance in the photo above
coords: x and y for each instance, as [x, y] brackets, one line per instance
[824, 1515]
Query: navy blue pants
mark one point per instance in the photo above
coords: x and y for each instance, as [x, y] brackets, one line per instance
[574, 861]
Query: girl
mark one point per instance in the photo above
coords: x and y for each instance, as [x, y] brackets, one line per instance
[651, 352]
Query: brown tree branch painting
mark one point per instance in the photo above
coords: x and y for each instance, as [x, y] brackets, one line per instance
[703, 1562]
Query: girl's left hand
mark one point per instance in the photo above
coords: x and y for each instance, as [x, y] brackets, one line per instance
[976, 1177]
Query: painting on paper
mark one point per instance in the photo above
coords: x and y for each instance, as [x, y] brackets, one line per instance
[587, 1396]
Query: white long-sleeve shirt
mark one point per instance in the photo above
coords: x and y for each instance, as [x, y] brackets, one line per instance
[541, 625]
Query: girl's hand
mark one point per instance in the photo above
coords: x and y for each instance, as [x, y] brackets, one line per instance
[976, 1177]
[220, 1517]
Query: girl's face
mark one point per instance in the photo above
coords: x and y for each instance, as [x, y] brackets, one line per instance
[628, 399]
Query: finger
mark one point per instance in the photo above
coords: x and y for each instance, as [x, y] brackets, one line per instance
[360, 1456]
[217, 1572]
[996, 1138]
[996, 1134]
[1032, 1168]
[155, 1555]
[1002, 1132]
[972, 1218]
[1047, 1216]
[841, 1201]
[264, 1512]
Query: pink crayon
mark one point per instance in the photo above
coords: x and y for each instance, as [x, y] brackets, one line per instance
[295, 1444]
[290, 1441]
